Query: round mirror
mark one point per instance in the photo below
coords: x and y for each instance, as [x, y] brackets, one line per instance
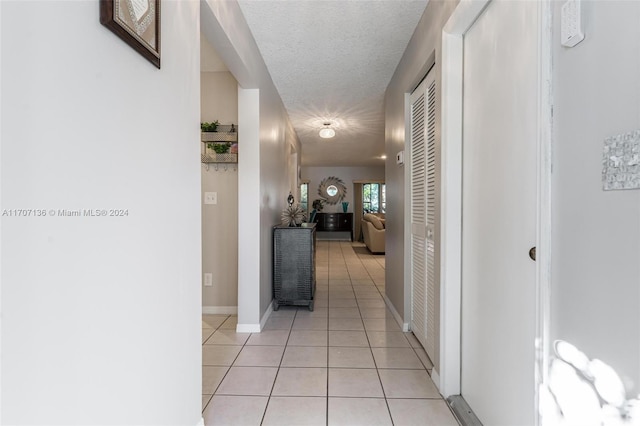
[332, 190]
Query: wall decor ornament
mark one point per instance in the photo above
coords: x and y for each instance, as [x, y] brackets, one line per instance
[137, 23]
[621, 162]
[293, 215]
[332, 190]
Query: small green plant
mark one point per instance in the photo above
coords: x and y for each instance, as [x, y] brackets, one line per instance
[220, 148]
[318, 204]
[209, 127]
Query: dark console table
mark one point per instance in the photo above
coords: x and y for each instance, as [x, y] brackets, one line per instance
[335, 222]
[294, 265]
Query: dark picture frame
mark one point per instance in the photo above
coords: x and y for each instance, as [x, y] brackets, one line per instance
[137, 23]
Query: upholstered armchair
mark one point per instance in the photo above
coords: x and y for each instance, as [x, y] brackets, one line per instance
[373, 230]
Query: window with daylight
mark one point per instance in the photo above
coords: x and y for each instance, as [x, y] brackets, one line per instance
[373, 198]
[304, 196]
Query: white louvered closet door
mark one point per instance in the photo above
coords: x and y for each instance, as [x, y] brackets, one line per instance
[423, 163]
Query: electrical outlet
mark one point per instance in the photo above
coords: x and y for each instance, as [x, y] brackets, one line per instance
[211, 198]
[208, 279]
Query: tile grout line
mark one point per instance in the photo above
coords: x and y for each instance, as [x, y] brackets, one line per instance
[266, 407]
[331, 247]
[328, 331]
[225, 374]
[384, 394]
[230, 366]
[328, 343]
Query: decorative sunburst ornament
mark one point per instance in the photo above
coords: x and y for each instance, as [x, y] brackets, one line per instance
[332, 190]
[293, 215]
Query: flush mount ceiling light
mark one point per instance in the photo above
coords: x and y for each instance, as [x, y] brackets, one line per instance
[327, 132]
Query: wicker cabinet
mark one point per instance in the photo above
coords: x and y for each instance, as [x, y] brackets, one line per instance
[294, 265]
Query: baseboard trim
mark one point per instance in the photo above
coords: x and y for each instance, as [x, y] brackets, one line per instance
[435, 378]
[248, 328]
[403, 325]
[266, 315]
[201, 422]
[220, 310]
[256, 328]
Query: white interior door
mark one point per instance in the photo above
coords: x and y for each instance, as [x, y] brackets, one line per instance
[499, 205]
[423, 118]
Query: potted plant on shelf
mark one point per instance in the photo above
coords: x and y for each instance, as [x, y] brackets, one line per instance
[209, 131]
[209, 127]
[221, 152]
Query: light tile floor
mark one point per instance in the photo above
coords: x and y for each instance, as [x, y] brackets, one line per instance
[346, 363]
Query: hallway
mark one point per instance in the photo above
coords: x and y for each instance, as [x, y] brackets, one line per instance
[345, 363]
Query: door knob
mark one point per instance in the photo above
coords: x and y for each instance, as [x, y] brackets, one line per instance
[429, 233]
[532, 253]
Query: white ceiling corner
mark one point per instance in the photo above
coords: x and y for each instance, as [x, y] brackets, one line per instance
[332, 61]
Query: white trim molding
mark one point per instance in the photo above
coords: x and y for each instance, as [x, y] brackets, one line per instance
[403, 325]
[544, 223]
[408, 290]
[220, 310]
[435, 377]
[448, 379]
[256, 328]
[248, 328]
[466, 13]
[266, 315]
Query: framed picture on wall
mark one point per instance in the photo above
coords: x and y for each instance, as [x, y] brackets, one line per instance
[137, 22]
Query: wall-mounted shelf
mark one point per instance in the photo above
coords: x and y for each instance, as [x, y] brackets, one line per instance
[214, 157]
[219, 137]
[227, 133]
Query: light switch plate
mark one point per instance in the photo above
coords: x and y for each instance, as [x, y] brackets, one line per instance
[208, 279]
[211, 198]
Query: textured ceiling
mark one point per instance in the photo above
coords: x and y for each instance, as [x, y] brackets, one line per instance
[332, 61]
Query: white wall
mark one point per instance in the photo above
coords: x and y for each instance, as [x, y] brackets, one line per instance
[421, 54]
[249, 313]
[264, 148]
[276, 138]
[348, 175]
[596, 234]
[100, 315]
[219, 101]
